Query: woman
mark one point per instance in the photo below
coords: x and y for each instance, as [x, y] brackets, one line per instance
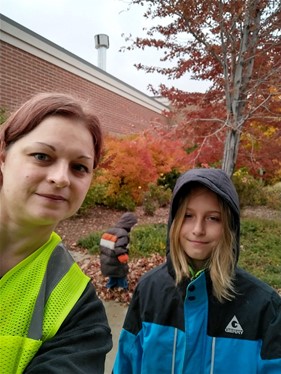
[51, 319]
[198, 312]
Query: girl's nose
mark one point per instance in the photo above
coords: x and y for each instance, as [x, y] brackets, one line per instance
[59, 176]
[199, 227]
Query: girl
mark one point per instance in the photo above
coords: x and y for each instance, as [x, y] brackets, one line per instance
[198, 312]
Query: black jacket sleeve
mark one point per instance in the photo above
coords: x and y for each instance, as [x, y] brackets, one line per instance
[81, 343]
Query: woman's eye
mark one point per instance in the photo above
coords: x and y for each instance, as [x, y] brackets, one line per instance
[188, 215]
[41, 156]
[81, 168]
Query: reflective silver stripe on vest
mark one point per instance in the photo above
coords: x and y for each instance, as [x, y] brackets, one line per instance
[58, 265]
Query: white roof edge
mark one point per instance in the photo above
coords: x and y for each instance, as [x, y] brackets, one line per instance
[25, 39]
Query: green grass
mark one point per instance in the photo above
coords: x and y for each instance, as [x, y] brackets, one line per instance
[261, 249]
[148, 239]
[260, 246]
[91, 242]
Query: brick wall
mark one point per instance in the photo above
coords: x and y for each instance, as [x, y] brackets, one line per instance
[24, 74]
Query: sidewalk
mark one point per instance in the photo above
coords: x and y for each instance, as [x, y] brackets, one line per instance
[115, 313]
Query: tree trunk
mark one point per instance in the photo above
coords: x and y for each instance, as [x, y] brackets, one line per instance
[230, 152]
[237, 99]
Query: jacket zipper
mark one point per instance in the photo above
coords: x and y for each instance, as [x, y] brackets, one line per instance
[174, 352]
[213, 355]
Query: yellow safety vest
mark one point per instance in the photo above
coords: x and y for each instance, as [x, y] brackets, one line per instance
[35, 298]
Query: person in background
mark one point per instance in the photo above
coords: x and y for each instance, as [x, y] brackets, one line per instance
[199, 312]
[114, 251]
[51, 320]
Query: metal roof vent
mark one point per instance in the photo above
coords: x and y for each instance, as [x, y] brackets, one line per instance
[102, 44]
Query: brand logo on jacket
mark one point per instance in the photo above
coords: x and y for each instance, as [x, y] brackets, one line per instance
[234, 327]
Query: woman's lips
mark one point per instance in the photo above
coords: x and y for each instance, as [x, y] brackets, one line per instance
[52, 197]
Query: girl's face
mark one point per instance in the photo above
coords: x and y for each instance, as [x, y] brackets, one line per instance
[47, 173]
[202, 226]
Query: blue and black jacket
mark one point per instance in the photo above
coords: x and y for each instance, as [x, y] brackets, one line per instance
[184, 329]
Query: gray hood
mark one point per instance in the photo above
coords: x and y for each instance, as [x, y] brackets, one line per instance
[217, 181]
[127, 221]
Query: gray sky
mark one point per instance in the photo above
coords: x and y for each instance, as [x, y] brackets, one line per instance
[72, 24]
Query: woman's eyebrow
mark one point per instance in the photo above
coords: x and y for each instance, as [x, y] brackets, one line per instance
[47, 145]
[54, 149]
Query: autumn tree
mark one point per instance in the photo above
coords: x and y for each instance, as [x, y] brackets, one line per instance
[234, 44]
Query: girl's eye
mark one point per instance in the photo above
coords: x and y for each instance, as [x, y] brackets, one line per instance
[81, 168]
[187, 215]
[41, 156]
[214, 218]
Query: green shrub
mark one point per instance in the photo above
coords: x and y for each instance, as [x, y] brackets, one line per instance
[121, 200]
[149, 205]
[163, 196]
[98, 195]
[95, 196]
[249, 189]
[156, 196]
[168, 180]
[3, 115]
[273, 196]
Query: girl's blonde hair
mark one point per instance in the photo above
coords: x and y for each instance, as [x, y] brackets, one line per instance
[222, 261]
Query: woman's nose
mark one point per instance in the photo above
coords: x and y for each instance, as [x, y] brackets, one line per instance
[59, 175]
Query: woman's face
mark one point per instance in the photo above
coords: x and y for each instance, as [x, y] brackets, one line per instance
[47, 173]
[202, 226]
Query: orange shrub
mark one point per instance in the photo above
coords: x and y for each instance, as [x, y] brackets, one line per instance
[131, 163]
